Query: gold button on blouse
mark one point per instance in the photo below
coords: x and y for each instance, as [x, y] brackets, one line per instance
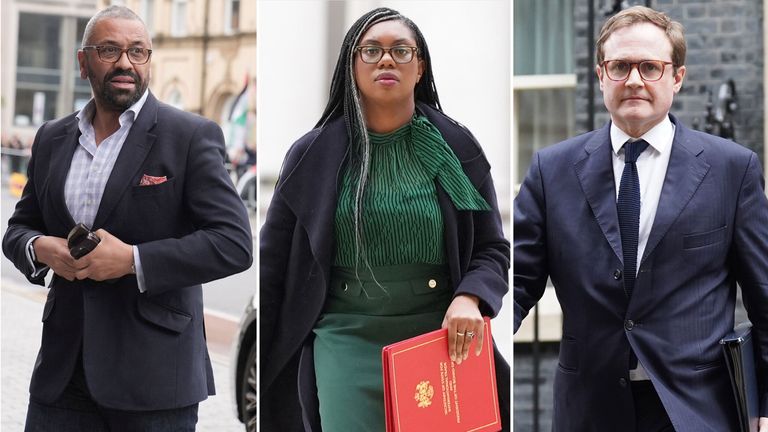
[432, 283]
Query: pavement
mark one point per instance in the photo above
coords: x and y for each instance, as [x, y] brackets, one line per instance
[21, 307]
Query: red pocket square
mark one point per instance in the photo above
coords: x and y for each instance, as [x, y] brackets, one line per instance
[148, 180]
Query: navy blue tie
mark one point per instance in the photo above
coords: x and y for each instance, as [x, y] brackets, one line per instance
[628, 207]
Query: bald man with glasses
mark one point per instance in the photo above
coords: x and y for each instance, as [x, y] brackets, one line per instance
[130, 207]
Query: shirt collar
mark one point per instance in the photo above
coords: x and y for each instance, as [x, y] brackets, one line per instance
[85, 116]
[659, 137]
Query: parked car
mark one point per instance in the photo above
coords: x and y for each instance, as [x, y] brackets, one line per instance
[246, 187]
[244, 359]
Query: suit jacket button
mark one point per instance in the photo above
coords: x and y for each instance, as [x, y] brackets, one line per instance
[617, 274]
[629, 325]
[622, 382]
[432, 283]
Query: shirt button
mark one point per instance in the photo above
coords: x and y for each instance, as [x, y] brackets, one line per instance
[622, 382]
[617, 274]
[432, 283]
[629, 325]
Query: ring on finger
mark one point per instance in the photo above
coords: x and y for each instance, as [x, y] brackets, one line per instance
[470, 334]
[460, 333]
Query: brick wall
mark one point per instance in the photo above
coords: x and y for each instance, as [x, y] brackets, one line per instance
[725, 41]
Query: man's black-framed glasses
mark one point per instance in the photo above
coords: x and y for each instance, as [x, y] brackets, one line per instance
[650, 70]
[401, 54]
[111, 53]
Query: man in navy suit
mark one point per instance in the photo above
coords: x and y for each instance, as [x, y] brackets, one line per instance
[123, 345]
[644, 227]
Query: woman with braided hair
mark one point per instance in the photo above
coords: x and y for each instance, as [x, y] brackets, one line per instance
[383, 226]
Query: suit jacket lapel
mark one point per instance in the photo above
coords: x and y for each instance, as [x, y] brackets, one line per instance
[63, 148]
[132, 155]
[684, 175]
[595, 173]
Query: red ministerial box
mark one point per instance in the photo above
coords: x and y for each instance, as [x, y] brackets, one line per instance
[425, 390]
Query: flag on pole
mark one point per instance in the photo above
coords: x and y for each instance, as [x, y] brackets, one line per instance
[238, 120]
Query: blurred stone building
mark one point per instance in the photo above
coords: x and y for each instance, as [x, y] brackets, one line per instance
[204, 56]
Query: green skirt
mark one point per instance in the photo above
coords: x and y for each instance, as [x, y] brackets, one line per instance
[360, 317]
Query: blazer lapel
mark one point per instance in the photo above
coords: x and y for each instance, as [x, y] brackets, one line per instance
[63, 148]
[310, 190]
[595, 173]
[684, 175]
[132, 155]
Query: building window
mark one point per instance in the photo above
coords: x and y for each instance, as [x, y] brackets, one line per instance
[232, 16]
[544, 81]
[179, 18]
[545, 115]
[47, 75]
[82, 87]
[175, 99]
[148, 15]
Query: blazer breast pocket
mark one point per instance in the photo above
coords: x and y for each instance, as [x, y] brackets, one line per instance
[693, 241]
[151, 190]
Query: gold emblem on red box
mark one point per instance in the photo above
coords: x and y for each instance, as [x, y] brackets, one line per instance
[424, 394]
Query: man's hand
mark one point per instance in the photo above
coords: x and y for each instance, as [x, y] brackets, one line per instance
[53, 252]
[763, 425]
[110, 259]
[463, 318]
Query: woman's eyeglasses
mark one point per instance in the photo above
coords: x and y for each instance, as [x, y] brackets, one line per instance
[401, 54]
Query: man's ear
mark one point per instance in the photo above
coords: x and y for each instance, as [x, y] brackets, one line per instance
[599, 72]
[81, 60]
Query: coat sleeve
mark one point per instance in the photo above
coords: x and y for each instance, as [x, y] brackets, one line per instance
[26, 221]
[221, 243]
[750, 259]
[487, 275]
[530, 244]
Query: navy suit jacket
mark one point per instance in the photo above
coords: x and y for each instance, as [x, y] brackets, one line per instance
[296, 247]
[710, 233]
[141, 351]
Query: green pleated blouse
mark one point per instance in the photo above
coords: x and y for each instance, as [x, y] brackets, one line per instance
[402, 221]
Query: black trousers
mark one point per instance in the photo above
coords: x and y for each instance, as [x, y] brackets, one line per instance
[650, 415]
[76, 411]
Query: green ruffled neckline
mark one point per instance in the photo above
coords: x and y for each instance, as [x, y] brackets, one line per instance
[439, 160]
[396, 135]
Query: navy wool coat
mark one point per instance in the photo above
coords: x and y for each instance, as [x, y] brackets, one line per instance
[297, 247]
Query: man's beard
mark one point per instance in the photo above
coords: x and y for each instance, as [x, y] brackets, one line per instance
[117, 99]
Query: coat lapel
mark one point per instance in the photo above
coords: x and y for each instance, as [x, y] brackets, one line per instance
[132, 155]
[595, 173]
[684, 175]
[63, 148]
[311, 189]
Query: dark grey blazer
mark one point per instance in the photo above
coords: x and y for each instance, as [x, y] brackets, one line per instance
[140, 351]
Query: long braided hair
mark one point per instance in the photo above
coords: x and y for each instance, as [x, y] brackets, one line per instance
[344, 100]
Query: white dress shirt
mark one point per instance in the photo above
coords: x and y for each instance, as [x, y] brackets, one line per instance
[651, 170]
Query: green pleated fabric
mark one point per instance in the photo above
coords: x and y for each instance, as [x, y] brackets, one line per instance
[402, 221]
